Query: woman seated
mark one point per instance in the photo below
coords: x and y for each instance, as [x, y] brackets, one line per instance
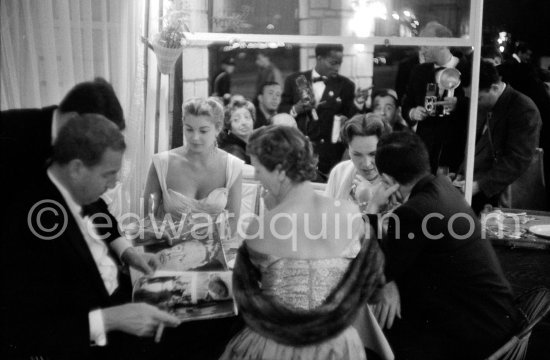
[196, 178]
[306, 267]
[356, 179]
[238, 125]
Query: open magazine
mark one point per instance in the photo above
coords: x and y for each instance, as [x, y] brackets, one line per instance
[190, 296]
[193, 280]
[184, 245]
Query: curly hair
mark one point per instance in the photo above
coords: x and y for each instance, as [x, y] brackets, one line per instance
[87, 137]
[364, 125]
[234, 106]
[286, 147]
[210, 107]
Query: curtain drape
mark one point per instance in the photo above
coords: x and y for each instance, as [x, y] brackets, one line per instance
[48, 46]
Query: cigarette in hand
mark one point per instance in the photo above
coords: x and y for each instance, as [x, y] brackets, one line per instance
[158, 334]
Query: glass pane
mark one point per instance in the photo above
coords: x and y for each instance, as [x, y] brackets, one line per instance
[380, 67]
[361, 18]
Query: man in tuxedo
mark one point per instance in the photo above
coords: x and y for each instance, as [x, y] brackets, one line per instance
[444, 134]
[446, 296]
[61, 295]
[333, 96]
[27, 137]
[268, 101]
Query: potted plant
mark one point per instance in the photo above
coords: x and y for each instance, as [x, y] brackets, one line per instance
[170, 41]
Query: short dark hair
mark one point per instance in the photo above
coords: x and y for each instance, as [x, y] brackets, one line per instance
[364, 125]
[402, 155]
[488, 75]
[285, 146]
[235, 105]
[266, 84]
[94, 97]
[323, 50]
[87, 137]
[385, 92]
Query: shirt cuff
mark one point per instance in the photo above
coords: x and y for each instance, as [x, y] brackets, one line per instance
[97, 328]
[293, 112]
[120, 245]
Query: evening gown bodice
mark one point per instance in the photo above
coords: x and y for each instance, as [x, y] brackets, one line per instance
[301, 284]
[175, 203]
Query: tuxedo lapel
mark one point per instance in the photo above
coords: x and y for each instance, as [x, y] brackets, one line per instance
[332, 90]
[76, 244]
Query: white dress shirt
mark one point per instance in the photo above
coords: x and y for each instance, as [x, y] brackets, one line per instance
[318, 86]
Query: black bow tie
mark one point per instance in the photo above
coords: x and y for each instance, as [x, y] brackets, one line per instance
[87, 210]
[319, 78]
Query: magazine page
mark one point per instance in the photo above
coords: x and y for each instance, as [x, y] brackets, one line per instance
[189, 295]
[184, 245]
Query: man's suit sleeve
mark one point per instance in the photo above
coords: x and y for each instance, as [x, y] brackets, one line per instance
[521, 140]
[39, 314]
[405, 241]
[413, 93]
[287, 99]
[348, 97]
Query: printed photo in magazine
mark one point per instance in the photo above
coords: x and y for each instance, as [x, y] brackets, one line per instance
[196, 295]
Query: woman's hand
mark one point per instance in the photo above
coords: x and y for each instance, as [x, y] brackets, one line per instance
[363, 189]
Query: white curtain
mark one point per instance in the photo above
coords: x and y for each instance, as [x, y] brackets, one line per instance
[48, 46]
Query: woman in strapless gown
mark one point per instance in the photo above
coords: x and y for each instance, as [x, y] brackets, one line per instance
[197, 179]
[306, 267]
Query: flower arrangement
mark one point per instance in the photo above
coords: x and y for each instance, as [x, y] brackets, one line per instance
[173, 30]
[170, 41]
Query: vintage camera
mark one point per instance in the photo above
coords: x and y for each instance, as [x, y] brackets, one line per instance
[430, 99]
[429, 105]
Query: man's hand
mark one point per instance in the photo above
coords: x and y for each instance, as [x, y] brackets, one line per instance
[418, 113]
[449, 103]
[381, 197]
[302, 106]
[138, 319]
[146, 263]
[475, 188]
[389, 305]
[361, 95]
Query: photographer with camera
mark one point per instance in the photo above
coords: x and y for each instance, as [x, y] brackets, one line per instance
[319, 99]
[439, 116]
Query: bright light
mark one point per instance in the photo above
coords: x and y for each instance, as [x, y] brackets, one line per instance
[502, 34]
[365, 12]
[501, 48]
[395, 16]
[499, 41]
[416, 22]
[407, 13]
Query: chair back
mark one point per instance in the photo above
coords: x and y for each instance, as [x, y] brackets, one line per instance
[533, 305]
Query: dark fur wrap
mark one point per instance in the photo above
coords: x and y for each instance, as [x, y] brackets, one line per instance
[296, 327]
